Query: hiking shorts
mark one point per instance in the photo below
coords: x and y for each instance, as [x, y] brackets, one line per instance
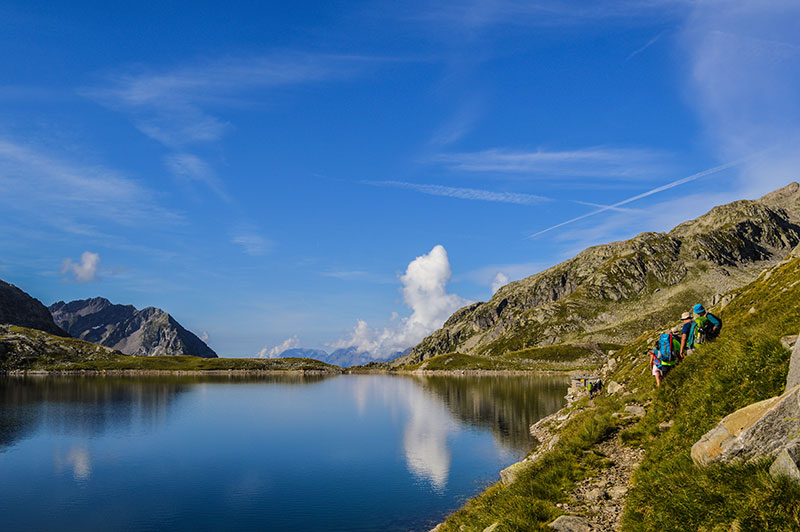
[660, 371]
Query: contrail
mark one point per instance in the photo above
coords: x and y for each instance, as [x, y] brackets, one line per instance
[662, 188]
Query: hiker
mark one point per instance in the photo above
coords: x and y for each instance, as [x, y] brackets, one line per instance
[665, 354]
[687, 334]
[707, 326]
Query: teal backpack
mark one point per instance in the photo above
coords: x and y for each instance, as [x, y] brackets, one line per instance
[665, 350]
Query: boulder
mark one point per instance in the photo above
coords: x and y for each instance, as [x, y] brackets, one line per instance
[570, 523]
[793, 378]
[614, 387]
[786, 464]
[617, 492]
[510, 474]
[635, 410]
[759, 429]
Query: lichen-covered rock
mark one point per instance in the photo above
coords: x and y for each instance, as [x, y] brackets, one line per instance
[512, 472]
[570, 523]
[793, 378]
[757, 430]
[614, 387]
[786, 463]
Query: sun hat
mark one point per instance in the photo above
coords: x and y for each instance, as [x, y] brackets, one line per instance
[698, 308]
[686, 316]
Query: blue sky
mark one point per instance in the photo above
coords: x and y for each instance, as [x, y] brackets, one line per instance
[348, 173]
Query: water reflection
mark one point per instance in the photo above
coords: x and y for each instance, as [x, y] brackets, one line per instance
[508, 406]
[438, 407]
[90, 406]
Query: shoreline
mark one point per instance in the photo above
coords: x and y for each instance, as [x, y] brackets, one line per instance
[161, 372]
[245, 372]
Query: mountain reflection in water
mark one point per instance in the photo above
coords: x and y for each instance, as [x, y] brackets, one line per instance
[303, 453]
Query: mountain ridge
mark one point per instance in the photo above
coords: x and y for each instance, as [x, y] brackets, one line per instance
[147, 332]
[612, 292]
[19, 308]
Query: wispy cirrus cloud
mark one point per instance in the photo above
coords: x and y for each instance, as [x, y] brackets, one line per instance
[464, 193]
[606, 162]
[743, 71]
[253, 243]
[481, 14]
[180, 106]
[71, 197]
[191, 169]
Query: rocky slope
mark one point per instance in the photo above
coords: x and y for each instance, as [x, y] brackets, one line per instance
[18, 308]
[613, 292]
[146, 332]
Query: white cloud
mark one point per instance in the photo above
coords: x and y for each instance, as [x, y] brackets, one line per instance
[487, 274]
[605, 162]
[465, 193]
[499, 281]
[85, 269]
[274, 352]
[425, 293]
[744, 59]
[175, 106]
[191, 169]
[426, 431]
[70, 197]
[204, 336]
[467, 17]
[253, 244]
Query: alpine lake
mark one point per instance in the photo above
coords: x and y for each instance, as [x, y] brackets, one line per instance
[300, 453]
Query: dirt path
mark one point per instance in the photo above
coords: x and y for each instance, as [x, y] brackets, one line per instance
[601, 499]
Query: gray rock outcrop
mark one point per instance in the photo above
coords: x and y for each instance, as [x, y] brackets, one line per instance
[19, 308]
[757, 430]
[786, 463]
[146, 332]
[793, 378]
[570, 523]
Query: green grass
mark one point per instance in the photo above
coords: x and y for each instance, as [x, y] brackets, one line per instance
[554, 357]
[459, 362]
[528, 504]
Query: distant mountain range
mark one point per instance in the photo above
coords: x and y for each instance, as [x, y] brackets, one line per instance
[19, 308]
[146, 332]
[343, 357]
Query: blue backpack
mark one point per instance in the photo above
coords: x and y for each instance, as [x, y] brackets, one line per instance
[665, 351]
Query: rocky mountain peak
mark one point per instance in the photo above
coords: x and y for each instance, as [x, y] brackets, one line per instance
[147, 332]
[19, 308]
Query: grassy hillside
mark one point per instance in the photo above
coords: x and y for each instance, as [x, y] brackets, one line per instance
[562, 357]
[29, 349]
[747, 363]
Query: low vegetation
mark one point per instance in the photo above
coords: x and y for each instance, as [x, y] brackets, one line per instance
[550, 358]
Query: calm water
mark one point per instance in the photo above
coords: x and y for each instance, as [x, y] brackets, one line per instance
[369, 452]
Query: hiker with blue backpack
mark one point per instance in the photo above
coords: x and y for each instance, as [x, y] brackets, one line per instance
[665, 355]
